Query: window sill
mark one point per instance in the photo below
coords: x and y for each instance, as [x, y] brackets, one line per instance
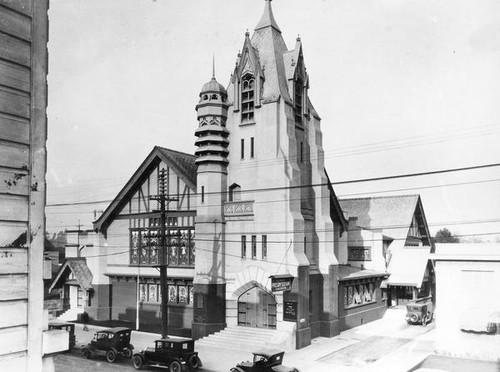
[243, 124]
[359, 305]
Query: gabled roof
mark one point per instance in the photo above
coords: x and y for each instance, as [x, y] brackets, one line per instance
[77, 266]
[336, 213]
[183, 164]
[392, 215]
[407, 267]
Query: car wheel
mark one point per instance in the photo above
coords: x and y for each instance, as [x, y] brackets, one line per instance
[414, 318]
[424, 320]
[138, 362]
[175, 366]
[194, 362]
[128, 353]
[86, 353]
[111, 356]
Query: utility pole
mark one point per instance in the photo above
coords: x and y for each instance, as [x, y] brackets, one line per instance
[163, 262]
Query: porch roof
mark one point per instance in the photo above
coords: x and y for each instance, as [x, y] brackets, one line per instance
[407, 266]
[352, 273]
[78, 267]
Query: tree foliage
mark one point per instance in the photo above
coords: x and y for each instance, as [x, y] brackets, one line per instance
[445, 236]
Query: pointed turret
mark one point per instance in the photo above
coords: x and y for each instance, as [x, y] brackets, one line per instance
[267, 19]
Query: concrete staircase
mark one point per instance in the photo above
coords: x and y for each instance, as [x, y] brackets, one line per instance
[247, 339]
[70, 315]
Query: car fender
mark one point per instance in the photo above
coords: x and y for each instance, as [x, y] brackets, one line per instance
[237, 369]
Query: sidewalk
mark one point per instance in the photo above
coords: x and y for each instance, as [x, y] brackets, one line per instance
[388, 345]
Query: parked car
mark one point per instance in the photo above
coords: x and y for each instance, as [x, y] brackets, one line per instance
[70, 327]
[419, 313]
[175, 353]
[264, 360]
[479, 320]
[111, 343]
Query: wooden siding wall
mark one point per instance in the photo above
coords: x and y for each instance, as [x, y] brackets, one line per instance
[23, 133]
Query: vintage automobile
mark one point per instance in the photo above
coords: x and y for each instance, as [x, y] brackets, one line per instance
[264, 360]
[70, 327]
[419, 313]
[175, 353]
[111, 343]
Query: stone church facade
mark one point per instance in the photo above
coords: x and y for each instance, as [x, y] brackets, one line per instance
[256, 236]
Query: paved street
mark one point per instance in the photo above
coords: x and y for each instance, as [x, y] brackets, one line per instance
[388, 344]
[73, 362]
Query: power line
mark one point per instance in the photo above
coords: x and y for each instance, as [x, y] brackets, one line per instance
[128, 250]
[388, 227]
[373, 179]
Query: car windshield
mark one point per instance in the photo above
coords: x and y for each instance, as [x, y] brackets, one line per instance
[259, 358]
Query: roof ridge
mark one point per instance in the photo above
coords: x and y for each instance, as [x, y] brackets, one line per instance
[177, 151]
[383, 197]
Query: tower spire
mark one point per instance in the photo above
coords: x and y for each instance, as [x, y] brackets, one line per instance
[267, 19]
[213, 66]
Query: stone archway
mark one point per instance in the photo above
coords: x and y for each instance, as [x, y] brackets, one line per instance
[257, 308]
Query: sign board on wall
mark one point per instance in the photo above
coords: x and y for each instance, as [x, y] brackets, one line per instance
[290, 311]
[281, 283]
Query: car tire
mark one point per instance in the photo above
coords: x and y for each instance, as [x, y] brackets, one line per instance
[111, 356]
[424, 320]
[138, 362]
[175, 366]
[128, 352]
[194, 362]
[86, 353]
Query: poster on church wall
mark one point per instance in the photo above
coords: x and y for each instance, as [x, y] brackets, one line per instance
[290, 311]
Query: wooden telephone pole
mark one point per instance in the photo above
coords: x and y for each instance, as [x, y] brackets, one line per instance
[163, 261]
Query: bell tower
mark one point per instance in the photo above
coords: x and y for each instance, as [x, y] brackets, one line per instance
[212, 161]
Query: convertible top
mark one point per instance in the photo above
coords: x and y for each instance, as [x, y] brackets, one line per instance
[268, 353]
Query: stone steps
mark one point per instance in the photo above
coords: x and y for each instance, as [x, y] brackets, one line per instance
[243, 339]
[70, 315]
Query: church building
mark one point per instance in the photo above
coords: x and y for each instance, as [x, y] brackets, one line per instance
[254, 232]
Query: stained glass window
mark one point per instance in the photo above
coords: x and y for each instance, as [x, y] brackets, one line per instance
[172, 293]
[143, 290]
[153, 293]
[183, 294]
[184, 248]
[191, 294]
[359, 294]
[145, 243]
[134, 249]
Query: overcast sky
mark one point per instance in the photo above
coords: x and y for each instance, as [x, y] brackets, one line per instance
[402, 86]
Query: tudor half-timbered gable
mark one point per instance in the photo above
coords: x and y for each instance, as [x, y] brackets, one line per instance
[130, 241]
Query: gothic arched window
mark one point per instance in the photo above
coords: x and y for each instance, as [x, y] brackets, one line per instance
[247, 97]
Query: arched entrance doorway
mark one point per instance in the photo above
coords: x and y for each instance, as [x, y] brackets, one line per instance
[257, 308]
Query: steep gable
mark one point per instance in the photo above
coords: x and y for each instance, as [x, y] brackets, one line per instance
[182, 164]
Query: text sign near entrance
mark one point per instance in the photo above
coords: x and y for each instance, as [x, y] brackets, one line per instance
[280, 283]
[290, 311]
